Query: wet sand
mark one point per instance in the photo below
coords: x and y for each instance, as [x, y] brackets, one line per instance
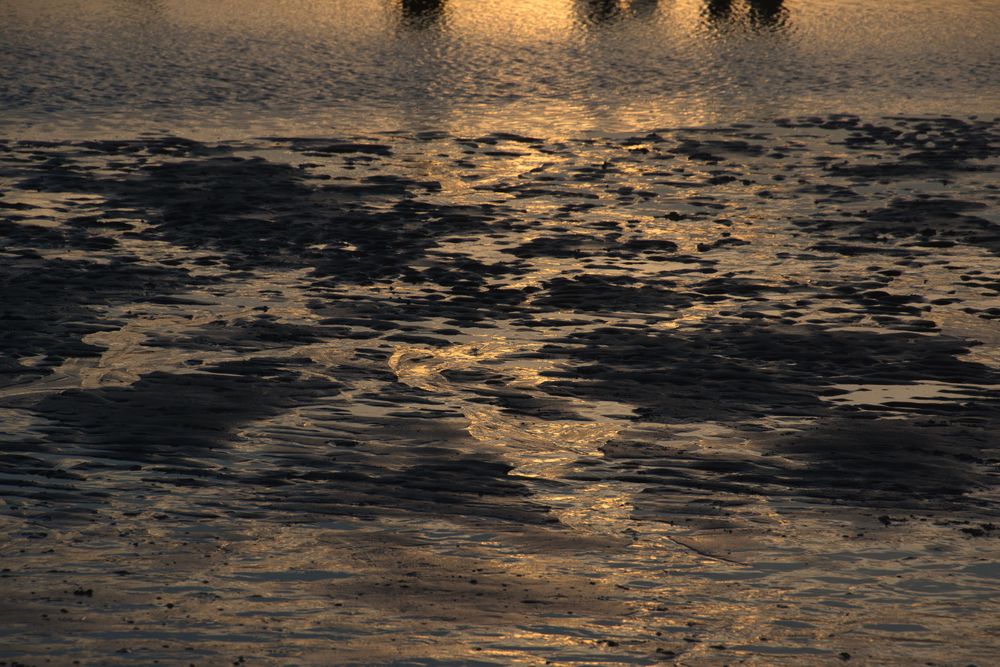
[708, 396]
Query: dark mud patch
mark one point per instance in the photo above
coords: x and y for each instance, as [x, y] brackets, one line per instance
[733, 372]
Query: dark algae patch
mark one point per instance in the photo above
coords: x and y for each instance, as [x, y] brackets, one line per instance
[709, 396]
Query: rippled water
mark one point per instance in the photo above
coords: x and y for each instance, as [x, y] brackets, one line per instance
[233, 68]
[386, 346]
[715, 395]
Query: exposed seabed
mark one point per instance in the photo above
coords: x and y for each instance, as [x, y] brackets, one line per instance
[711, 396]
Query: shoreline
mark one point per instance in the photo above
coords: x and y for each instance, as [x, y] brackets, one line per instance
[107, 126]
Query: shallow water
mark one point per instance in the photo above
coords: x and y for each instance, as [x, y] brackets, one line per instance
[231, 69]
[430, 333]
[714, 396]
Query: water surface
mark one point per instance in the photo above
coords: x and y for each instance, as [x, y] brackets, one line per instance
[727, 396]
[226, 69]
[427, 331]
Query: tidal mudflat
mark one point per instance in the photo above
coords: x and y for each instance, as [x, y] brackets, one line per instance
[724, 395]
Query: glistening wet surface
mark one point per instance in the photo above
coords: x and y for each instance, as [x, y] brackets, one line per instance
[240, 68]
[708, 396]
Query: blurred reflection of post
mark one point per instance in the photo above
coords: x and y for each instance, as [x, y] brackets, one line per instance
[604, 12]
[759, 14]
[421, 14]
[599, 12]
[718, 11]
[767, 13]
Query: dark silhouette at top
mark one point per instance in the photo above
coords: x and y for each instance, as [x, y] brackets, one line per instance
[767, 13]
[421, 14]
[719, 10]
[723, 14]
[603, 12]
[760, 14]
[598, 12]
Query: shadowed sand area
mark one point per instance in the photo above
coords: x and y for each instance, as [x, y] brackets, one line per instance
[709, 396]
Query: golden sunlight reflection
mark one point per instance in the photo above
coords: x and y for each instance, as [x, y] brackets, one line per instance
[495, 390]
[541, 67]
[422, 367]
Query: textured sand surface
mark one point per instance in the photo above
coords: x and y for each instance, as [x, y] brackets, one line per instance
[712, 396]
